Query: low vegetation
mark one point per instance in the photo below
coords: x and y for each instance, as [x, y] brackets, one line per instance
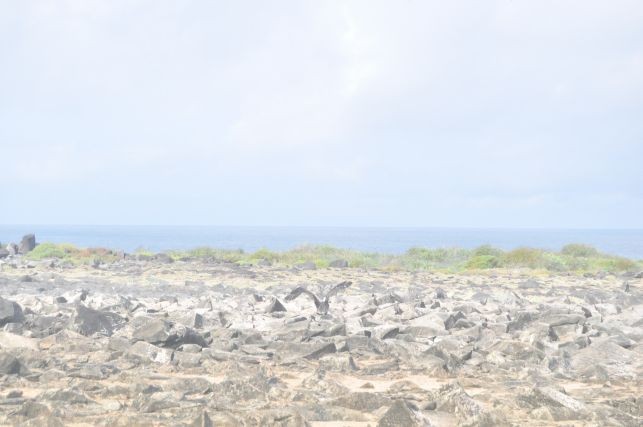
[571, 258]
[70, 253]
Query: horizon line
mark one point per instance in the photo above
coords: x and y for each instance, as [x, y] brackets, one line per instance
[336, 226]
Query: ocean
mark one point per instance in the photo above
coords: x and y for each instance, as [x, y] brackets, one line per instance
[627, 243]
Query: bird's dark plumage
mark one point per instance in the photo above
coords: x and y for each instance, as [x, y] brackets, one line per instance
[322, 305]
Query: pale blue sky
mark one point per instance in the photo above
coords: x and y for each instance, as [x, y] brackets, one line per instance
[393, 113]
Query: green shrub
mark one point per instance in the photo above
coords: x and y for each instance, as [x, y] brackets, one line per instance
[579, 250]
[262, 254]
[481, 262]
[554, 262]
[573, 257]
[71, 253]
[524, 257]
[51, 250]
[487, 250]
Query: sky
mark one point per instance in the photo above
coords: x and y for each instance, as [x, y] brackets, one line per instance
[500, 113]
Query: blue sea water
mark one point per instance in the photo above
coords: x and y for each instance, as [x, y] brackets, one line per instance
[628, 243]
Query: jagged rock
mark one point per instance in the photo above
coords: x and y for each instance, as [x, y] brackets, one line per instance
[450, 322]
[172, 360]
[88, 321]
[167, 334]
[321, 350]
[10, 312]
[399, 415]
[520, 321]
[385, 332]
[10, 364]
[27, 244]
[452, 398]
[275, 306]
[341, 362]
[604, 360]
[193, 320]
[558, 405]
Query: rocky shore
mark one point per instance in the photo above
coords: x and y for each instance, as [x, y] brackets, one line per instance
[142, 342]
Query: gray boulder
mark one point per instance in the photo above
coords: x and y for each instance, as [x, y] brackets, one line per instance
[275, 306]
[3, 253]
[27, 244]
[399, 415]
[88, 321]
[10, 312]
[166, 334]
[10, 364]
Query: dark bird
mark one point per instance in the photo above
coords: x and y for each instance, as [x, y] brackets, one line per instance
[322, 305]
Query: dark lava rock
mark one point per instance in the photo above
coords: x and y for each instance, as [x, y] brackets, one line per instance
[3, 253]
[561, 406]
[27, 244]
[89, 321]
[10, 312]
[440, 293]
[166, 334]
[399, 415]
[321, 350]
[275, 306]
[10, 364]
[452, 319]
[520, 321]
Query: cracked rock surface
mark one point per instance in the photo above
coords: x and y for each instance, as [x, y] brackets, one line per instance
[208, 343]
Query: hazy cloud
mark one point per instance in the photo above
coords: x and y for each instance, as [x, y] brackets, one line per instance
[501, 113]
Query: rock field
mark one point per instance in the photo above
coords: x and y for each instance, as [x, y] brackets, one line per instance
[145, 342]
